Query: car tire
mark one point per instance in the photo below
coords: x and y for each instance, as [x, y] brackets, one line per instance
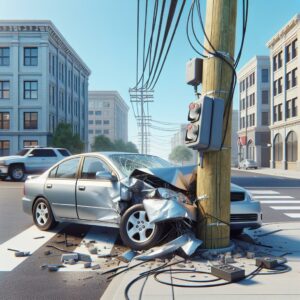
[136, 230]
[42, 215]
[16, 172]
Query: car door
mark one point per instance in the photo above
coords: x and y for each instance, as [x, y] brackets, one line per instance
[97, 193]
[60, 188]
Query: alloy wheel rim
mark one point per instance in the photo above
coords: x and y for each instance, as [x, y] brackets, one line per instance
[139, 228]
[42, 214]
[18, 173]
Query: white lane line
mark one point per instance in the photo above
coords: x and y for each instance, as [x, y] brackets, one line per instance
[24, 241]
[293, 215]
[280, 202]
[104, 240]
[273, 197]
[263, 192]
[286, 207]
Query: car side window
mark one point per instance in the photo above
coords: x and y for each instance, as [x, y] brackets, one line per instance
[66, 169]
[93, 166]
[43, 153]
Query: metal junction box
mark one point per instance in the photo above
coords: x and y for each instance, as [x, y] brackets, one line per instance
[228, 272]
[194, 69]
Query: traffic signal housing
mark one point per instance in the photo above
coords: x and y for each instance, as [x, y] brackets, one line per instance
[204, 133]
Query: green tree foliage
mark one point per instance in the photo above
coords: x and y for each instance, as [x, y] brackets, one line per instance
[103, 143]
[63, 137]
[180, 154]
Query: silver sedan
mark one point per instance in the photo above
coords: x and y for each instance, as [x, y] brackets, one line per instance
[134, 192]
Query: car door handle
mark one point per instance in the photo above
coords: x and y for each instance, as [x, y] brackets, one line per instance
[49, 186]
[81, 188]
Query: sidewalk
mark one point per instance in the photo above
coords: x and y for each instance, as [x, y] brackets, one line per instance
[273, 172]
[276, 239]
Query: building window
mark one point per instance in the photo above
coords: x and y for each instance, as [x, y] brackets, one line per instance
[288, 53]
[294, 77]
[279, 112]
[98, 122]
[91, 112]
[98, 112]
[288, 80]
[106, 104]
[106, 122]
[274, 63]
[294, 107]
[279, 85]
[264, 118]
[91, 122]
[279, 59]
[30, 120]
[278, 148]
[288, 109]
[4, 148]
[30, 56]
[294, 48]
[275, 87]
[91, 131]
[4, 120]
[265, 97]
[291, 147]
[265, 75]
[98, 131]
[106, 131]
[30, 143]
[4, 56]
[30, 89]
[4, 89]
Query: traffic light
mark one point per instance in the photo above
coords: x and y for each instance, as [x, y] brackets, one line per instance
[204, 133]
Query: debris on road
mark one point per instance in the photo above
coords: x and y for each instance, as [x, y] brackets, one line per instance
[22, 253]
[39, 237]
[69, 256]
[96, 267]
[127, 256]
[87, 265]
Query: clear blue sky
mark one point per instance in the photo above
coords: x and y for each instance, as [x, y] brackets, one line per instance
[103, 33]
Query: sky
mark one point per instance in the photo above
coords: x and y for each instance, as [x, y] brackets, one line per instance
[103, 33]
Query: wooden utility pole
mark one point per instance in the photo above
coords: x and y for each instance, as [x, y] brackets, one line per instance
[213, 180]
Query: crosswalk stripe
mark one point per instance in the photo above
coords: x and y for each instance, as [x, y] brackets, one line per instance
[280, 201]
[104, 240]
[292, 215]
[286, 207]
[24, 241]
[263, 192]
[273, 197]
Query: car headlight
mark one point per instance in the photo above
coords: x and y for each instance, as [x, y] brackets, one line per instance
[248, 197]
[169, 194]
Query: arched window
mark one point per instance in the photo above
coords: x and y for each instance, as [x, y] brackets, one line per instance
[278, 147]
[291, 147]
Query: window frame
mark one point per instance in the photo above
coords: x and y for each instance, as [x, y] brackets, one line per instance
[31, 127]
[30, 58]
[31, 90]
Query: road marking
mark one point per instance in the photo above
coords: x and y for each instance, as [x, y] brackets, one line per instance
[24, 241]
[293, 215]
[273, 197]
[280, 202]
[263, 192]
[104, 238]
[286, 207]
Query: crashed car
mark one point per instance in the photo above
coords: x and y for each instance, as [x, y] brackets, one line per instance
[137, 193]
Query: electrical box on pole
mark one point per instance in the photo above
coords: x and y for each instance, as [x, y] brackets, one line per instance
[194, 69]
[204, 133]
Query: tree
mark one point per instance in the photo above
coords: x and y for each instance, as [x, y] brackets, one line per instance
[63, 137]
[180, 154]
[102, 143]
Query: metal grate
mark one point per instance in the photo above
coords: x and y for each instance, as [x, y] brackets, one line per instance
[243, 217]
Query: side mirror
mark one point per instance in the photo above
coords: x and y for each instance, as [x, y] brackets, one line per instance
[106, 176]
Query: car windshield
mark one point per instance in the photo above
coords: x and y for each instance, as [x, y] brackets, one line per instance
[23, 152]
[251, 161]
[126, 163]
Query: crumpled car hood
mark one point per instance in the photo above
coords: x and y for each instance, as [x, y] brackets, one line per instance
[179, 177]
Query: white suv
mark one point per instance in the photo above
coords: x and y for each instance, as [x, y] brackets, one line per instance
[30, 160]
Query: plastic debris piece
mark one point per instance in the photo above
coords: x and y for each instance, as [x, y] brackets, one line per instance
[127, 256]
[22, 253]
[96, 267]
[87, 265]
[69, 256]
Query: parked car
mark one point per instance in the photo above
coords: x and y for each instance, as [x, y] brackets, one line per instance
[248, 164]
[127, 191]
[30, 160]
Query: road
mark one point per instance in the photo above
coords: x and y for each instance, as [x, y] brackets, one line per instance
[24, 279]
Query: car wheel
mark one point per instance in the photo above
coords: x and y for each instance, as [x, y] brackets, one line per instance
[42, 215]
[136, 230]
[16, 172]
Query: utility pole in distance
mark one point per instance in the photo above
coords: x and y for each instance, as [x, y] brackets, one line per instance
[213, 178]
